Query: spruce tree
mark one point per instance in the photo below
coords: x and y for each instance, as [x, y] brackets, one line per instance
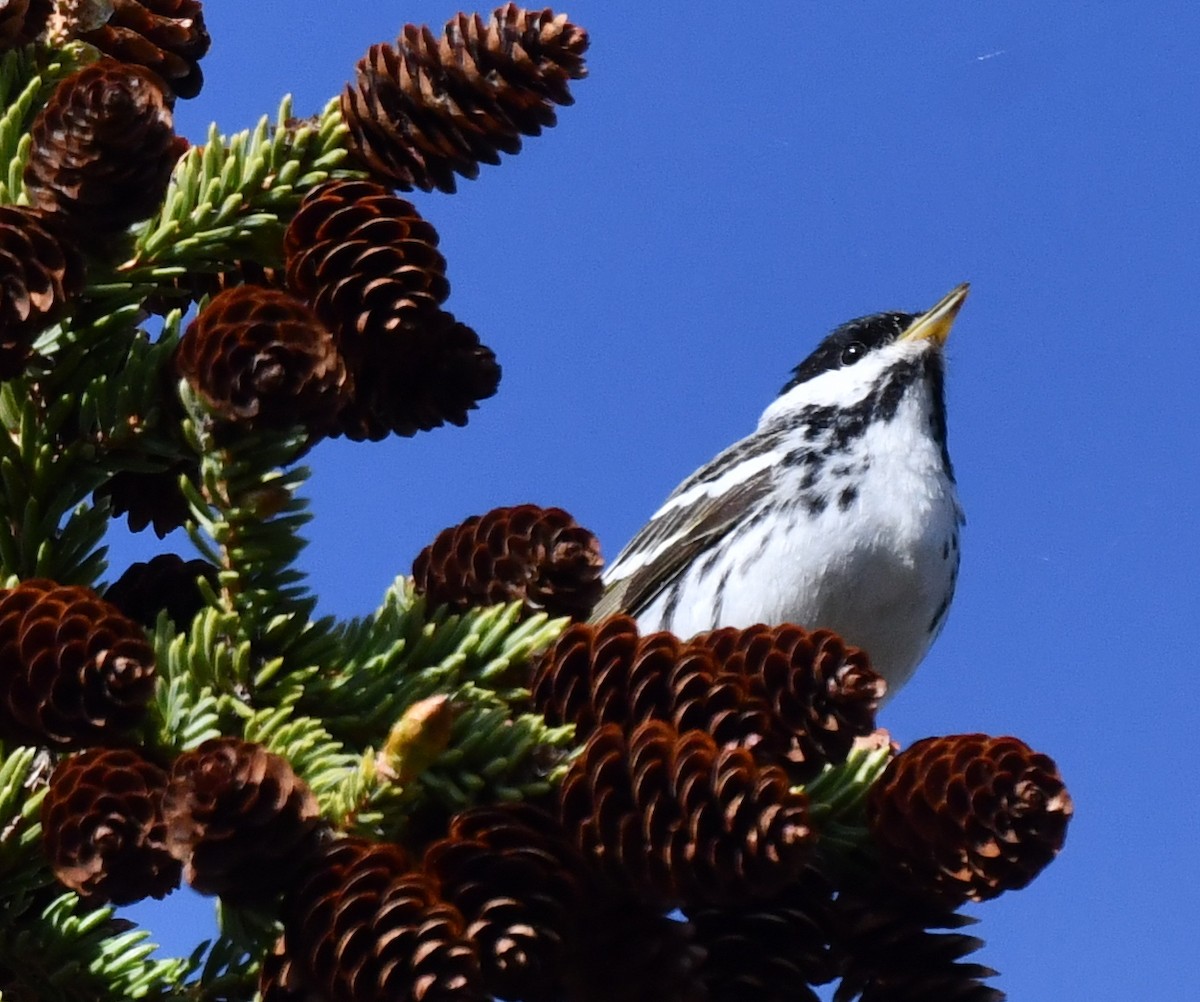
[475, 791]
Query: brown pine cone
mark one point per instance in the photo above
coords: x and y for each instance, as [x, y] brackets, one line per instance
[367, 927]
[40, 270]
[428, 108]
[167, 583]
[892, 949]
[417, 378]
[73, 669]
[166, 36]
[102, 827]
[967, 817]
[520, 885]
[149, 498]
[599, 673]
[239, 819]
[538, 556]
[21, 21]
[261, 357]
[770, 950]
[630, 952]
[103, 149]
[680, 821]
[280, 979]
[819, 693]
[364, 259]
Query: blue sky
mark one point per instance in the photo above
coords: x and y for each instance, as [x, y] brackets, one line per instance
[734, 181]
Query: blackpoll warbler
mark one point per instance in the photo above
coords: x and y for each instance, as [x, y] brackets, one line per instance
[839, 511]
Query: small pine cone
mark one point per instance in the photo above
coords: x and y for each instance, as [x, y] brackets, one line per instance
[427, 108]
[519, 884]
[149, 498]
[968, 817]
[261, 357]
[538, 556]
[819, 693]
[166, 36]
[102, 827]
[364, 259]
[165, 583]
[103, 149]
[239, 819]
[892, 949]
[600, 673]
[74, 670]
[367, 927]
[417, 378]
[21, 21]
[772, 950]
[40, 270]
[679, 820]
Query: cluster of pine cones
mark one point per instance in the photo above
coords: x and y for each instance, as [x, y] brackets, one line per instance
[679, 857]
[348, 335]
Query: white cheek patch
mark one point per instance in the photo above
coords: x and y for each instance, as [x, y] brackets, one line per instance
[841, 387]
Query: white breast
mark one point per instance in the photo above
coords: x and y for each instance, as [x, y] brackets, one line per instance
[863, 542]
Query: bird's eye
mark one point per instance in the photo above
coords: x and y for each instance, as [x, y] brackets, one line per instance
[853, 352]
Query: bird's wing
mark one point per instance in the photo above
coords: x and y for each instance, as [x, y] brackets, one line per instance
[697, 515]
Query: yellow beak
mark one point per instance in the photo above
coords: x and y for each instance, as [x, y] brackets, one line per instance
[935, 324]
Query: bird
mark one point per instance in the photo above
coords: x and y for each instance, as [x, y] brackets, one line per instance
[840, 511]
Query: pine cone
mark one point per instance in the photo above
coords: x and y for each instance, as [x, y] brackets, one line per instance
[21, 21]
[149, 498]
[239, 819]
[261, 357]
[600, 673]
[968, 816]
[772, 950]
[888, 951]
[636, 954]
[819, 693]
[40, 270]
[539, 556]
[680, 821]
[368, 928]
[167, 583]
[417, 378]
[102, 827]
[74, 671]
[103, 149]
[427, 108]
[166, 36]
[280, 978]
[519, 885]
[364, 259]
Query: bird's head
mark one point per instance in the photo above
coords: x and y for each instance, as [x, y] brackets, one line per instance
[865, 354]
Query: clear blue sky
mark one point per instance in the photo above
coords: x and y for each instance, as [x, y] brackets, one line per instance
[736, 179]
